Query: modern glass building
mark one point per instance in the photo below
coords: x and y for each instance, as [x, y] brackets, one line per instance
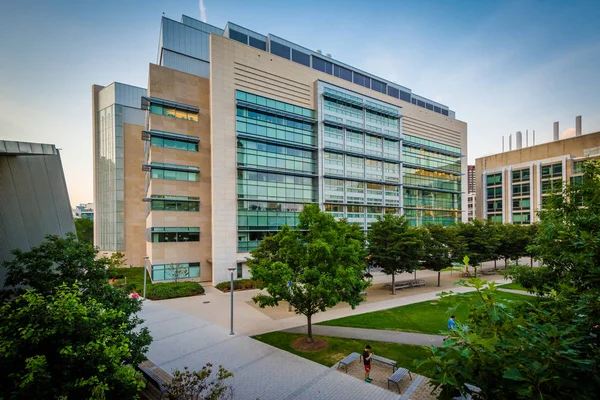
[243, 129]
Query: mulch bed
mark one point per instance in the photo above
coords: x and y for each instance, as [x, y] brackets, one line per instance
[302, 344]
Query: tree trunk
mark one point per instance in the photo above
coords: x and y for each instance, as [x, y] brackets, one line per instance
[475, 268]
[505, 263]
[393, 283]
[494, 263]
[310, 337]
[531, 262]
[439, 276]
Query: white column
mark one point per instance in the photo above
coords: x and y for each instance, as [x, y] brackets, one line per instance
[484, 194]
[538, 181]
[509, 196]
[503, 181]
[531, 210]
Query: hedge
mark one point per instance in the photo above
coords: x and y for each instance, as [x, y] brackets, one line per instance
[170, 290]
[240, 284]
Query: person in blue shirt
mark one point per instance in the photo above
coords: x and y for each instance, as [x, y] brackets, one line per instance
[451, 325]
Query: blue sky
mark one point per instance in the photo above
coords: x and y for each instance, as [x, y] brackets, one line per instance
[502, 66]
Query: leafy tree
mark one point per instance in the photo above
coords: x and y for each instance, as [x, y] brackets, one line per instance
[68, 261]
[549, 347]
[324, 260]
[394, 246]
[64, 345]
[85, 230]
[507, 241]
[440, 246]
[197, 385]
[480, 240]
[117, 260]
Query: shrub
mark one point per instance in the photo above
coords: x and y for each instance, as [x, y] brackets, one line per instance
[239, 284]
[170, 290]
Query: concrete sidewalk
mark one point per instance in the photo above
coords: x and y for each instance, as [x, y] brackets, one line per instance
[260, 371]
[418, 339]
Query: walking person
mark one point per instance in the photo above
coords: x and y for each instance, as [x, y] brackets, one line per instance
[451, 325]
[367, 361]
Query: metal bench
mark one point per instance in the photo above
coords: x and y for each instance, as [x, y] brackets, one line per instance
[397, 377]
[406, 284]
[348, 359]
[156, 380]
[382, 360]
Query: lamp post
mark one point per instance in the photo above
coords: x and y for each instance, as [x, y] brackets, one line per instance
[231, 269]
[146, 258]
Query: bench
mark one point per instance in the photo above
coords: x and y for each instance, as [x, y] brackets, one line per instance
[348, 359]
[406, 284]
[383, 360]
[363, 294]
[156, 380]
[397, 376]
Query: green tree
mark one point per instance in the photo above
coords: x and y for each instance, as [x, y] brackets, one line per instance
[85, 230]
[324, 260]
[440, 246]
[549, 347]
[66, 260]
[198, 385]
[480, 240]
[64, 345]
[394, 246]
[507, 241]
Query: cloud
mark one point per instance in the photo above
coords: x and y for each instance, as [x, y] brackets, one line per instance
[567, 133]
[202, 11]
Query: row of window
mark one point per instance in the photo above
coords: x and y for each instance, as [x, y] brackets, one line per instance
[159, 172]
[262, 155]
[431, 179]
[429, 199]
[430, 159]
[175, 234]
[274, 104]
[173, 112]
[421, 217]
[191, 204]
[173, 144]
[551, 171]
[275, 187]
[431, 143]
[163, 272]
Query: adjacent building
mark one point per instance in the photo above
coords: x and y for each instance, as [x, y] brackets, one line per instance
[471, 203]
[33, 197]
[512, 186]
[84, 210]
[242, 129]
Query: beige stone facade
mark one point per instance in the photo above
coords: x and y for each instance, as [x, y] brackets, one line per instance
[182, 88]
[564, 152]
[236, 66]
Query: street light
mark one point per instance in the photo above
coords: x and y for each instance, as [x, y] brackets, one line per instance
[231, 269]
[146, 258]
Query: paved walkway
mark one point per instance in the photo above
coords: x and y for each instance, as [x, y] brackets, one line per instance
[419, 339]
[523, 292]
[260, 371]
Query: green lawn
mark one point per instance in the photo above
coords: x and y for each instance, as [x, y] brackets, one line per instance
[134, 278]
[513, 286]
[426, 317]
[339, 348]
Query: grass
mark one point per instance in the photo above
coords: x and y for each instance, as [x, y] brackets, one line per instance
[513, 286]
[156, 291]
[339, 348]
[426, 317]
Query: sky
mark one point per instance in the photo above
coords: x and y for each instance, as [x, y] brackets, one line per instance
[502, 66]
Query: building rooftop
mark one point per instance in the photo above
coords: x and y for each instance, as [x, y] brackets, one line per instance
[9, 147]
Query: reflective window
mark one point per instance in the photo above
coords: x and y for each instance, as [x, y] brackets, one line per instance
[362, 80]
[429, 106]
[239, 36]
[174, 172]
[280, 50]
[175, 234]
[173, 112]
[445, 112]
[321, 65]
[251, 153]
[257, 43]
[378, 86]
[392, 91]
[164, 203]
[173, 144]
[171, 271]
[405, 96]
[300, 57]
[342, 72]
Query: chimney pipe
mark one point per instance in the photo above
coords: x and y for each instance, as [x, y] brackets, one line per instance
[527, 138]
[533, 138]
[578, 125]
[519, 140]
[503, 143]
[510, 142]
[556, 131]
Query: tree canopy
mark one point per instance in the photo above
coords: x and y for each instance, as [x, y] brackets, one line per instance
[548, 347]
[394, 246]
[323, 260]
[85, 230]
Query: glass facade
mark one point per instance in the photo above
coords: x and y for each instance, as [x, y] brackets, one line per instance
[175, 234]
[174, 203]
[174, 172]
[173, 143]
[552, 181]
[184, 270]
[110, 184]
[494, 197]
[521, 200]
[276, 161]
[173, 112]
